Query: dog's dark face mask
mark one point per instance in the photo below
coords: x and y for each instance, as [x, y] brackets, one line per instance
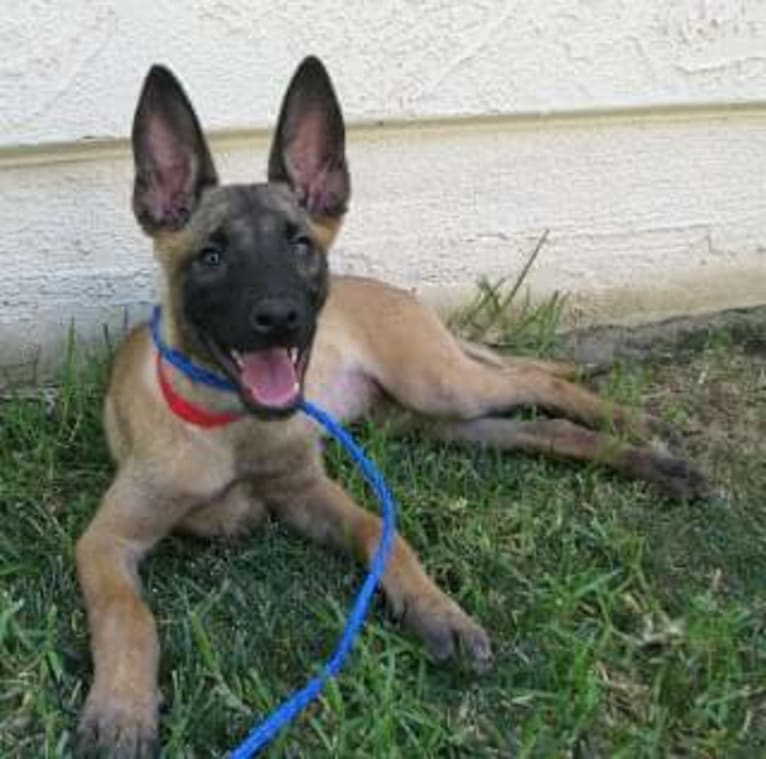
[246, 264]
[251, 295]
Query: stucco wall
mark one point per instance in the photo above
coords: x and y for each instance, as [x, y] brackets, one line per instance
[634, 131]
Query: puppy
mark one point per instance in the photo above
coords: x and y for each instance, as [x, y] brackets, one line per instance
[249, 301]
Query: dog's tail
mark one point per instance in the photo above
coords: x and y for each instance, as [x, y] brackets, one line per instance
[485, 355]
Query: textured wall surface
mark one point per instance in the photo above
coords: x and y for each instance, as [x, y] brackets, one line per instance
[70, 67]
[611, 126]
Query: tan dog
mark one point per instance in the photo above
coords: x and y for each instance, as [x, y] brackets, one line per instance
[247, 277]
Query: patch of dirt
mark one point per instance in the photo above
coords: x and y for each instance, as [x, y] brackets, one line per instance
[604, 345]
[707, 375]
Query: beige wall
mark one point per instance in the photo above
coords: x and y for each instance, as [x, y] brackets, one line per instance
[635, 132]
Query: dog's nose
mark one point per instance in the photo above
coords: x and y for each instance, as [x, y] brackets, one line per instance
[275, 317]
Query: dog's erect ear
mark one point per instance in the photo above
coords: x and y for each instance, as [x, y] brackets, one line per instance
[172, 160]
[308, 151]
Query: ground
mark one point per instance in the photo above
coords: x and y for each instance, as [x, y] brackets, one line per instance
[623, 624]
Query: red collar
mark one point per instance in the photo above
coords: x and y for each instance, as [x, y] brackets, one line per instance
[185, 409]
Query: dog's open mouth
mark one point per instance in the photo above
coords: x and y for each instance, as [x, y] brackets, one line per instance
[271, 378]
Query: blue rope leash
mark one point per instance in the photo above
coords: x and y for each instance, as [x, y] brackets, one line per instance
[261, 735]
[183, 363]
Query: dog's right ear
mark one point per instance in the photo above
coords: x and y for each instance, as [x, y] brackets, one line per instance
[172, 160]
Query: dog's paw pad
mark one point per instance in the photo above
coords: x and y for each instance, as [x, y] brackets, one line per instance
[117, 730]
[447, 630]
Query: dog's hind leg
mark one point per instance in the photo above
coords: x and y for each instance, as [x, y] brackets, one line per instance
[423, 367]
[412, 355]
[562, 438]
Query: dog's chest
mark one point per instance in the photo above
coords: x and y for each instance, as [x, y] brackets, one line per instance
[341, 388]
[271, 451]
[199, 461]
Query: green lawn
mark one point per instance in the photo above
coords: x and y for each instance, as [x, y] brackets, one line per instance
[623, 624]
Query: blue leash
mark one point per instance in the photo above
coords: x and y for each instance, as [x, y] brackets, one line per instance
[184, 364]
[262, 734]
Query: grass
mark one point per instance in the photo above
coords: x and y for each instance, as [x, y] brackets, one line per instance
[624, 625]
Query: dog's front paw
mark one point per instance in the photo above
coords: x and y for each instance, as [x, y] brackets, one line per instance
[118, 726]
[445, 628]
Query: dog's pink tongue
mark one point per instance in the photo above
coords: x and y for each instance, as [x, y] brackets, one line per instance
[270, 377]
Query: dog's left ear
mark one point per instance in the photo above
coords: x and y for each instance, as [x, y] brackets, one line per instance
[308, 151]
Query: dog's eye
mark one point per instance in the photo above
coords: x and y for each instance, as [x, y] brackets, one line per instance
[301, 245]
[211, 255]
